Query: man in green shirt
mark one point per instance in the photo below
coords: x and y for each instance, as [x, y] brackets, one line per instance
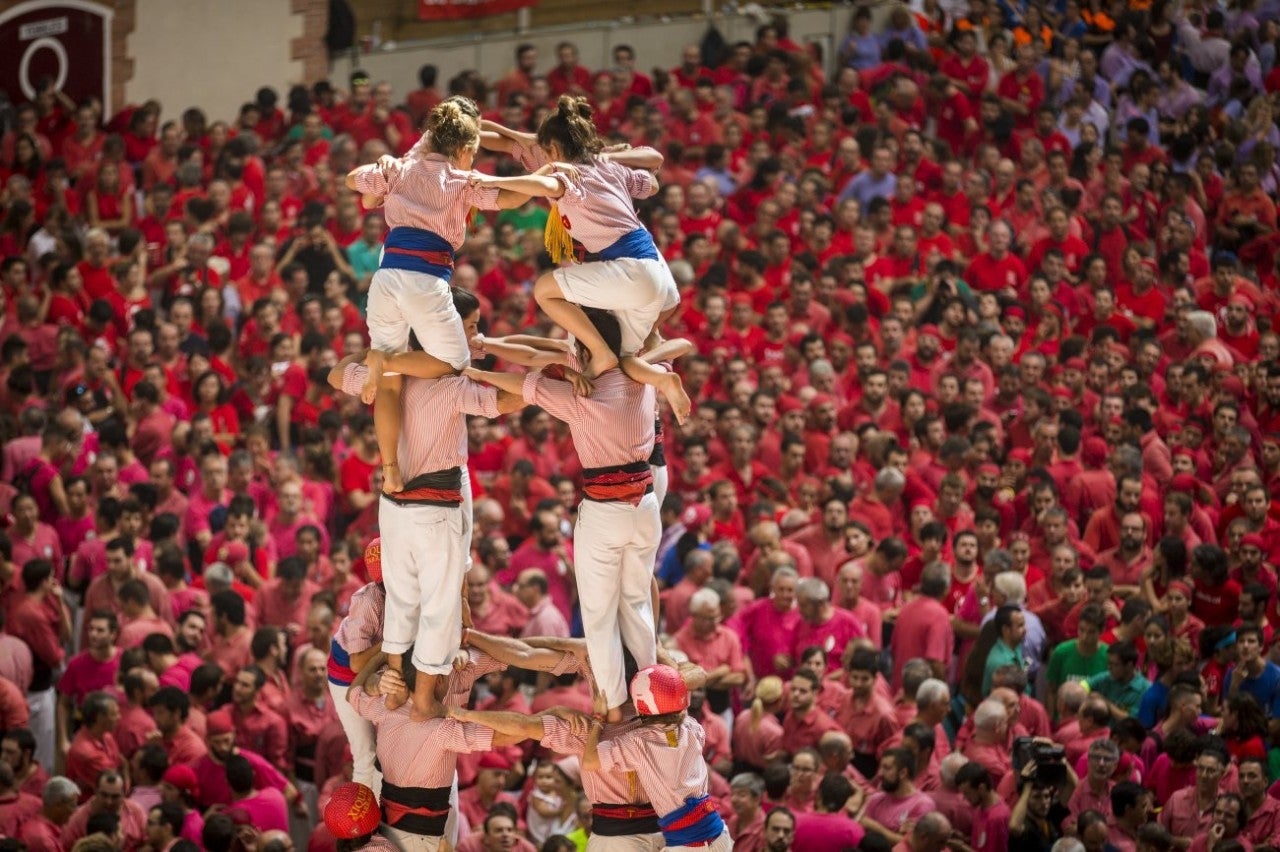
[1011, 626]
[530, 216]
[364, 255]
[1121, 685]
[1080, 658]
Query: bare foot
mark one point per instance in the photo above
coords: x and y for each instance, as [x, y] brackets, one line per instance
[375, 361]
[673, 389]
[392, 482]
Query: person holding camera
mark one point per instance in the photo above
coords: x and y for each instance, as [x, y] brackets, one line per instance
[1034, 823]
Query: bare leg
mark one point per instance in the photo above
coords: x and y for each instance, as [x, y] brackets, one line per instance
[572, 319]
[386, 421]
[673, 389]
[376, 361]
[425, 704]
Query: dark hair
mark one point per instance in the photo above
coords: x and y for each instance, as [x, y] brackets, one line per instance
[239, 774]
[572, 128]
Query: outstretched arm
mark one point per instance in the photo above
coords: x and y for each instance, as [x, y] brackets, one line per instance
[509, 402]
[496, 137]
[509, 382]
[523, 354]
[502, 722]
[648, 159]
[540, 186]
[514, 652]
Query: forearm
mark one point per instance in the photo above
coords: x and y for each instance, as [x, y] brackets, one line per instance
[420, 365]
[514, 652]
[648, 159]
[504, 722]
[509, 382]
[525, 356]
[539, 186]
[591, 749]
[360, 659]
[509, 403]
[509, 199]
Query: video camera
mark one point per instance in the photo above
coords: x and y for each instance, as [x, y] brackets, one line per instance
[1050, 761]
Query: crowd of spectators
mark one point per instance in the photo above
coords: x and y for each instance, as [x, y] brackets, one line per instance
[972, 527]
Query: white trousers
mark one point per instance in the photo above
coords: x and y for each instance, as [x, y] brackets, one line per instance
[626, 843]
[424, 558]
[401, 301]
[411, 842]
[362, 736]
[635, 291]
[613, 547]
[42, 707]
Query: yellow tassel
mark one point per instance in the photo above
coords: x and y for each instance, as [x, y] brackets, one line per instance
[556, 237]
[471, 218]
[672, 738]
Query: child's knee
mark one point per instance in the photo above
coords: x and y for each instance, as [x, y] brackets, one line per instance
[546, 287]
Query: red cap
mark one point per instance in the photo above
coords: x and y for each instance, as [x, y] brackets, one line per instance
[219, 722]
[1015, 311]
[234, 552]
[1019, 454]
[1093, 452]
[658, 690]
[183, 777]
[1184, 483]
[1075, 364]
[740, 299]
[695, 515]
[352, 812]
[1182, 586]
[1151, 264]
[1060, 392]
[373, 560]
[989, 468]
[788, 403]
[495, 760]
[1253, 540]
[820, 399]
[929, 329]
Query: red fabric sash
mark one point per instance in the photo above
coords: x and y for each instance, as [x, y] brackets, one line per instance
[435, 258]
[619, 487]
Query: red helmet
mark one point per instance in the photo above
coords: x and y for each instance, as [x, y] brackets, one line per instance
[352, 812]
[658, 690]
[373, 560]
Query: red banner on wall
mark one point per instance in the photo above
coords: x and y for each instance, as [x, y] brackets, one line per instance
[67, 43]
[457, 10]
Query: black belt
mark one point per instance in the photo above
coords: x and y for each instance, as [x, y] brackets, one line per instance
[416, 810]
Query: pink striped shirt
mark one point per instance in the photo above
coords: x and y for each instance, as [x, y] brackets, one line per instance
[418, 754]
[613, 426]
[427, 193]
[362, 628]
[461, 680]
[620, 787]
[597, 208]
[435, 436]
[669, 774]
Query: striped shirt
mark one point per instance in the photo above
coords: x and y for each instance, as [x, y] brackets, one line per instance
[427, 193]
[597, 208]
[669, 774]
[480, 664]
[620, 787]
[434, 433]
[362, 628]
[613, 426]
[418, 754]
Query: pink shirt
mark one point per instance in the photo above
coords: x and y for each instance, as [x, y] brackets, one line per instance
[545, 619]
[101, 594]
[306, 719]
[990, 828]
[613, 426]
[435, 438]
[751, 747]
[765, 633]
[84, 674]
[418, 754]
[669, 775]
[41, 835]
[267, 809]
[43, 544]
[273, 607]
[212, 777]
[831, 636]
[427, 193]
[826, 831]
[895, 812]
[179, 674]
[1183, 817]
[923, 630]
[132, 729]
[362, 628]
[597, 208]
[134, 631]
[15, 661]
[133, 825]
[721, 648]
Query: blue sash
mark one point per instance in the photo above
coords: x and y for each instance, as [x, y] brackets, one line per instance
[696, 821]
[637, 245]
[416, 250]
